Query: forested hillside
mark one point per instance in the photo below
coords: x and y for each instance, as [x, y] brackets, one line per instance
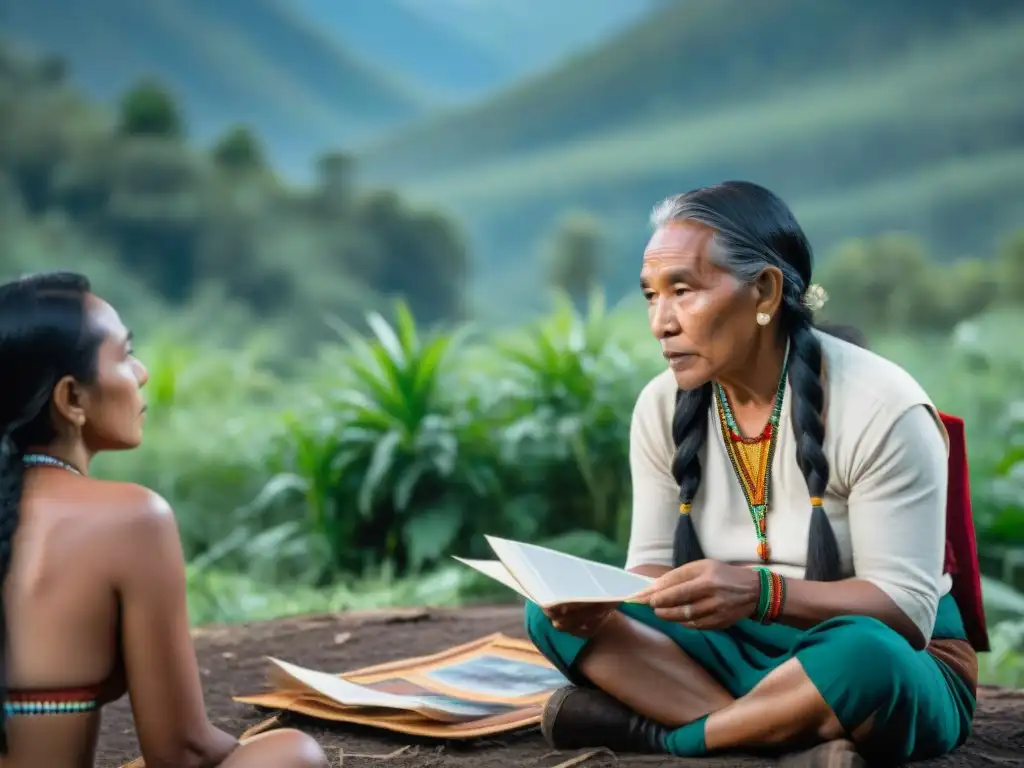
[867, 116]
[165, 228]
[251, 61]
[691, 59]
[460, 50]
[407, 39]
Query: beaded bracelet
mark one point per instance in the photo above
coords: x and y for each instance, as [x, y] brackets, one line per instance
[772, 595]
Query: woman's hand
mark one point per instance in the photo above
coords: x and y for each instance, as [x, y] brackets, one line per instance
[704, 594]
[580, 619]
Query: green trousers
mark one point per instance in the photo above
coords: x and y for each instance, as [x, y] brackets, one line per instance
[861, 667]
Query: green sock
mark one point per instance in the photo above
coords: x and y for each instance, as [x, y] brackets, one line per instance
[687, 741]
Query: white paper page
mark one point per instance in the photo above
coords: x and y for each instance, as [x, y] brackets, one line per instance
[553, 577]
[496, 570]
[352, 695]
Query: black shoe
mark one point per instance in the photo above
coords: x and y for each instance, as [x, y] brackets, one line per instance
[576, 718]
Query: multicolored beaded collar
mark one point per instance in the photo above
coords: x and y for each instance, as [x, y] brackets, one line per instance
[43, 460]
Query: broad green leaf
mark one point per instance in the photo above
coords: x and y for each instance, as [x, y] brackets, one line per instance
[388, 339]
[406, 483]
[429, 535]
[381, 464]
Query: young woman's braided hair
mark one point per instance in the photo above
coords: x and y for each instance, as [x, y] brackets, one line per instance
[754, 229]
[44, 336]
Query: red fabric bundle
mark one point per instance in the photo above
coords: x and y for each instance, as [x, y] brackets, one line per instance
[961, 546]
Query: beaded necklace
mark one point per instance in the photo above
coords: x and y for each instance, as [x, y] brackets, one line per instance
[751, 458]
[42, 460]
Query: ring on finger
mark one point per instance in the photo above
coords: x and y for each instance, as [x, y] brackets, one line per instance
[687, 613]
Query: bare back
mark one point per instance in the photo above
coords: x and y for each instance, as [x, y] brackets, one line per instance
[62, 612]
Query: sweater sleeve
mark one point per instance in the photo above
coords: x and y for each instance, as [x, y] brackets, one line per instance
[655, 492]
[897, 512]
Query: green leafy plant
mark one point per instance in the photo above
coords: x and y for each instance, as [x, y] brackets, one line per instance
[388, 457]
[567, 395]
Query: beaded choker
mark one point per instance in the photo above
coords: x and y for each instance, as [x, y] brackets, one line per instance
[751, 458]
[42, 460]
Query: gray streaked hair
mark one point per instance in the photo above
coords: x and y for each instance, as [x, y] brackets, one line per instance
[740, 249]
[754, 229]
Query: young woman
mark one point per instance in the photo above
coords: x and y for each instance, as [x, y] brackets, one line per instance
[93, 574]
[790, 500]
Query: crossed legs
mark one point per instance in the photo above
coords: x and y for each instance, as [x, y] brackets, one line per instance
[847, 680]
[649, 673]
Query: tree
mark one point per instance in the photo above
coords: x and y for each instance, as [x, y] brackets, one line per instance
[875, 282]
[239, 150]
[889, 283]
[336, 172]
[149, 109]
[53, 70]
[1010, 269]
[575, 262]
[423, 256]
[961, 290]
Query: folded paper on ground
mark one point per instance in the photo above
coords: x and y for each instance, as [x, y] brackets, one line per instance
[347, 694]
[550, 578]
[489, 686]
[492, 685]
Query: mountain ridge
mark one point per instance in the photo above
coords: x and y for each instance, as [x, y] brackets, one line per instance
[677, 62]
[427, 53]
[462, 50]
[224, 62]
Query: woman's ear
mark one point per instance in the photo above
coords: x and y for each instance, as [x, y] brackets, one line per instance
[769, 285]
[69, 401]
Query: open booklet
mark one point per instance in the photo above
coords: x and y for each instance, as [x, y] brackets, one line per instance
[550, 578]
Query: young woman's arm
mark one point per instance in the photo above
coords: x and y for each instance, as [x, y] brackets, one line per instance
[159, 657]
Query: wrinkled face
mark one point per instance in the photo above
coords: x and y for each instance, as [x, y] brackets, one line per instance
[112, 405]
[704, 317]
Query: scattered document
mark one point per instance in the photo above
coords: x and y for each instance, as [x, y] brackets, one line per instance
[494, 684]
[344, 693]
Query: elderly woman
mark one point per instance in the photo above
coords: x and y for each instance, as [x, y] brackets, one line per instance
[789, 501]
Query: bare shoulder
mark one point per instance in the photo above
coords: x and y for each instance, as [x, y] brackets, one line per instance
[136, 509]
[131, 530]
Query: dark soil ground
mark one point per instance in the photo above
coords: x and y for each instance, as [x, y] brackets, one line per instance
[232, 663]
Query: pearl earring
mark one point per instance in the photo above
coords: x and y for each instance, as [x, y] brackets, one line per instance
[763, 318]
